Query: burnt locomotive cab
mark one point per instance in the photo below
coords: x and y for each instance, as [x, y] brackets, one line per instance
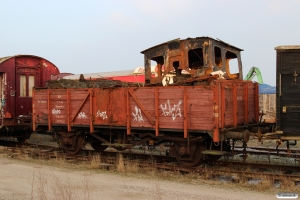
[288, 94]
[178, 60]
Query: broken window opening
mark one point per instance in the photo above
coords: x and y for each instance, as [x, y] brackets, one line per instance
[232, 62]
[159, 66]
[218, 56]
[195, 57]
[176, 67]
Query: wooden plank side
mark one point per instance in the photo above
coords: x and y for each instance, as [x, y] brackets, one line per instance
[171, 107]
[144, 106]
[58, 106]
[241, 104]
[101, 107]
[117, 101]
[201, 108]
[251, 103]
[228, 115]
[79, 107]
[39, 108]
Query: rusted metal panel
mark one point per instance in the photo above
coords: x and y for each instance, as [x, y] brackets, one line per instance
[195, 56]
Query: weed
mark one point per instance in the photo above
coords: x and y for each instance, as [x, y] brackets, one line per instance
[95, 162]
[132, 167]
[120, 164]
[266, 182]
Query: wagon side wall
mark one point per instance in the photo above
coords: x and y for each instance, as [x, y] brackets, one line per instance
[197, 109]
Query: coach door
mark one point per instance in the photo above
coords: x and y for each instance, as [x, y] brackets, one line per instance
[26, 79]
[288, 91]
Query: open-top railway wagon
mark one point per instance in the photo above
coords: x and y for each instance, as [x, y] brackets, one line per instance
[198, 114]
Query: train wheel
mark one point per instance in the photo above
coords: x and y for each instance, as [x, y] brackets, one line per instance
[71, 145]
[192, 158]
[98, 147]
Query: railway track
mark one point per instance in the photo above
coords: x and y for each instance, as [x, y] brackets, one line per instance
[235, 170]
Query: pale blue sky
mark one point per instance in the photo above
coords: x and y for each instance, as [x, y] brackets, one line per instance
[99, 36]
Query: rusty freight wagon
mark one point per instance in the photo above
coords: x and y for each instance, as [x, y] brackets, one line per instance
[197, 115]
[18, 75]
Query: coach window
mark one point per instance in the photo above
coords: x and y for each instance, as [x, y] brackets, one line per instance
[23, 86]
[30, 85]
[218, 56]
[232, 62]
[195, 57]
[24, 90]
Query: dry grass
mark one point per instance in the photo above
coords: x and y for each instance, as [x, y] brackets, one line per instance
[70, 190]
[132, 167]
[266, 183]
[96, 162]
[120, 164]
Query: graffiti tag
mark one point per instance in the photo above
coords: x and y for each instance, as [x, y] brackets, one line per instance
[101, 114]
[171, 111]
[81, 115]
[137, 115]
[55, 111]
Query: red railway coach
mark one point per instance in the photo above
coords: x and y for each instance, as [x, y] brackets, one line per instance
[18, 75]
[197, 115]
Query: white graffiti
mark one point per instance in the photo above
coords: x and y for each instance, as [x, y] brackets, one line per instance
[171, 111]
[55, 111]
[137, 115]
[101, 114]
[81, 115]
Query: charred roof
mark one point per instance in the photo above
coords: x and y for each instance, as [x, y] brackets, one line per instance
[197, 38]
